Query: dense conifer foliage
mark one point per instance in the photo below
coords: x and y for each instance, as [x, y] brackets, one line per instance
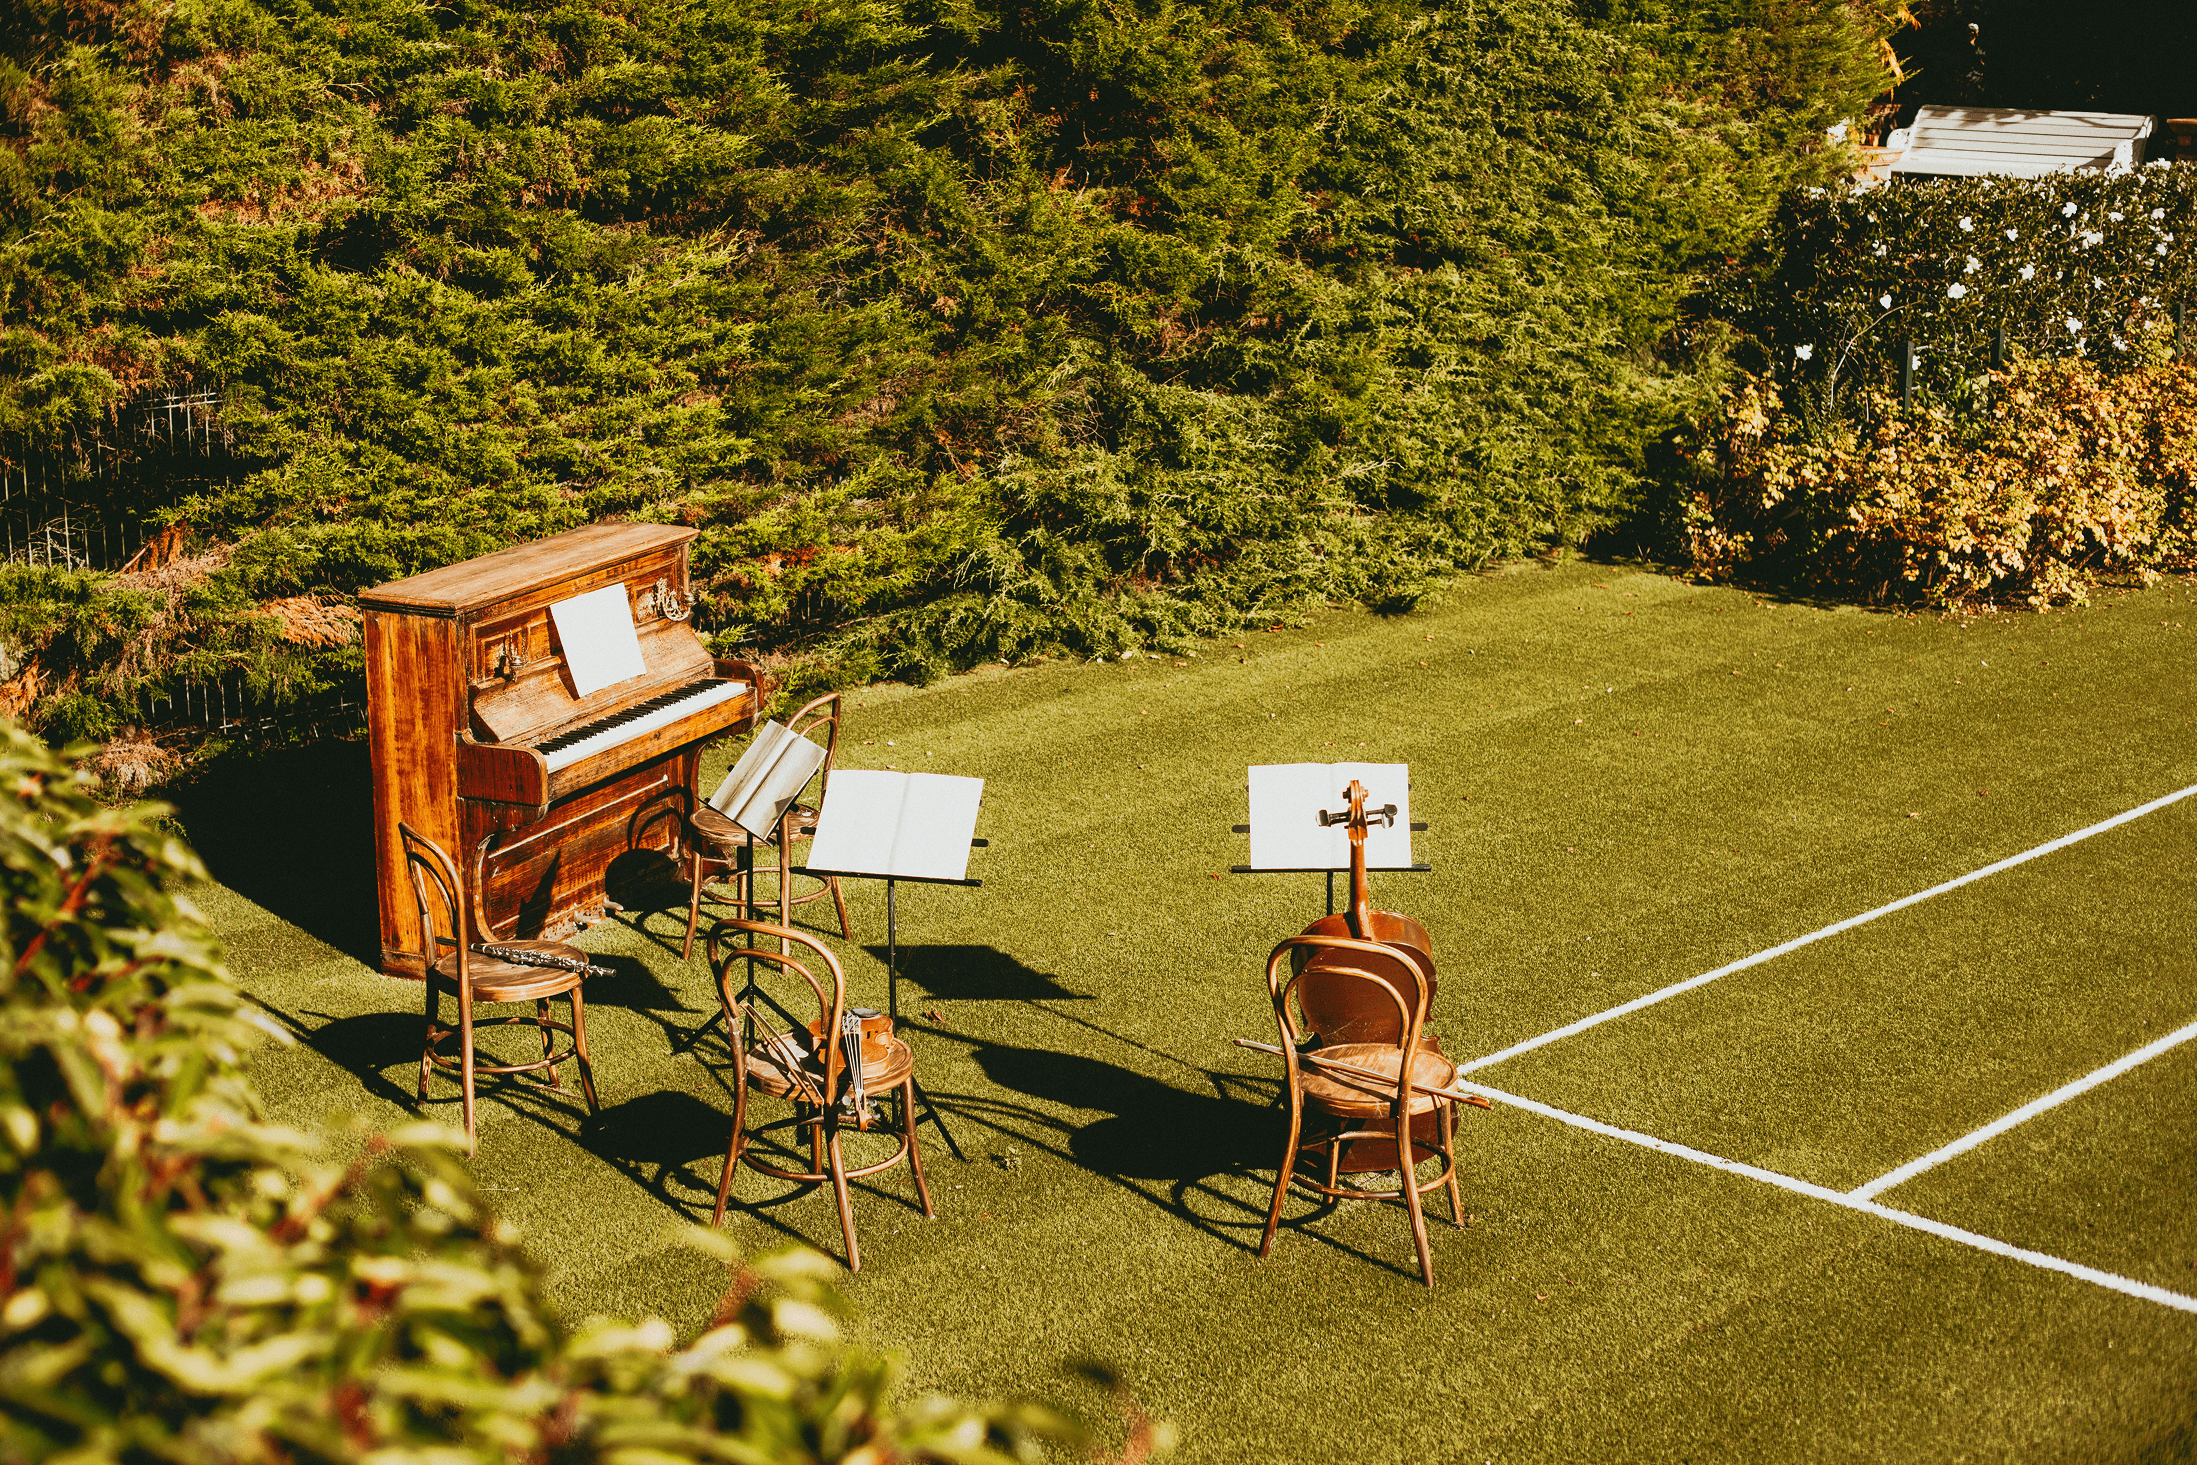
[960, 330]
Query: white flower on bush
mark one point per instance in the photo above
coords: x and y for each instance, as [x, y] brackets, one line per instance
[2119, 344]
[1968, 226]
[2073, 325]
[1880, 249]
[1885, 301]
[2029, 272]
[2013, 233]
[2116, 218]
[2068, 212]
[1956, 291]
[2092, 238]
[1974, 264]
[2162, 249]
[2158, 213]
[1805, 353]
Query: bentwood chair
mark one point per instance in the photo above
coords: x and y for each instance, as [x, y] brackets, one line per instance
[807, 1066]
[474, 978]
[1345, 1092]
[714, 841]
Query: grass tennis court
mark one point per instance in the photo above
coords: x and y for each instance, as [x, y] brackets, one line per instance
[1631, 782]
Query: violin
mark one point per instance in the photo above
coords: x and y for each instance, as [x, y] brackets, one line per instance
[1345, 1011]
[861, 1037]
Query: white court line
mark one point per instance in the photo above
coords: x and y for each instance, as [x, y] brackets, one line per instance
[2109, 1280]
[2027, 1111]
[1813, 936]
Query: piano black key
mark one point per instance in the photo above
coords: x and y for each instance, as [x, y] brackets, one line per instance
[570, 736]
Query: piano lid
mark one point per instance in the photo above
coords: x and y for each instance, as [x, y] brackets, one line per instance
[476, 584]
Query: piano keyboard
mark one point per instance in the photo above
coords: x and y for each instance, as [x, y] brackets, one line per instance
[642, 717]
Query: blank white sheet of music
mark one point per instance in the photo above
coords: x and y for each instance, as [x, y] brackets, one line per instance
[600, 644]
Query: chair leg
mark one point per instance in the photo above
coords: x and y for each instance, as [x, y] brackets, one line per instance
[915, 1151]
[1410, 1188]
[846, 1202]
[1281, 1181]
[434, 1015]
[579, 1051]
[465, 1072]
[1449, 1158]
[733, 1147]
[694, 906]
[549, 1037]
[839, 899]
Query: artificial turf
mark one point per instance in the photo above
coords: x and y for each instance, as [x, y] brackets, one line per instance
[1630, 780]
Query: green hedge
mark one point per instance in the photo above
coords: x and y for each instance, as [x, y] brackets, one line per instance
[961, 331]
[2082, 265]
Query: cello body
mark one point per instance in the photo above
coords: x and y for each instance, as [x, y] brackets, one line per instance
[1353, 1011]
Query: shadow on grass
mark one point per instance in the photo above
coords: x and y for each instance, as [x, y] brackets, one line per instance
[976, 974]
[655, 1139]
[292, 829]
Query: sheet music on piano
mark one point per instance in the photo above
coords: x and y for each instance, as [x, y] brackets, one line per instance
[601, 644]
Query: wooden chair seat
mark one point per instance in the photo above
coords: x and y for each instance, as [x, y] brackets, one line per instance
[1340, 1122]
[448, 919]
[1346, 1096]
[814, 1082]
[774, 1063]
[726, 839]
[510, 981]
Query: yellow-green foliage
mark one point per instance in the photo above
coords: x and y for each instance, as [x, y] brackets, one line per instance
[182, 1282]
[2068, 475]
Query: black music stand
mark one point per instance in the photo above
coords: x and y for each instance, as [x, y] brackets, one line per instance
[881, 824]
[892, 962]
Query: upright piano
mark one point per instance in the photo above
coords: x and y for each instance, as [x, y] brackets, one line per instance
[480, 741]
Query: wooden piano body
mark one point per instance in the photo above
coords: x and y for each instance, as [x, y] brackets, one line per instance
[472, 723]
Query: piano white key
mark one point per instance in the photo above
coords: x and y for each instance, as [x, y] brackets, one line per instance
[610, 737]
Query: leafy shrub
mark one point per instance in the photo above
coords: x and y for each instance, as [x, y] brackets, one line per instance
[2073, 474]
[181, 1281]
[960, 333]
[2081, 265]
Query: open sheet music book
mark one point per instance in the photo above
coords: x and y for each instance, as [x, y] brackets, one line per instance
[911, 826]
[1287, 799]
[597, 634]
[768, 778]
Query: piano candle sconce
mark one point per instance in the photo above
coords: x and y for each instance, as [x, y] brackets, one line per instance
[668, 601]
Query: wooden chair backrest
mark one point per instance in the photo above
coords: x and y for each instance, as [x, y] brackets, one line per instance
[741, 1018]
[438, 892]
[1392, 974]
[824, 712]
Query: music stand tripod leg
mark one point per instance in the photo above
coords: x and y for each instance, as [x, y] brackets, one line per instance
[892, 1007]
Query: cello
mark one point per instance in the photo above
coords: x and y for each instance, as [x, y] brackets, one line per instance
[1345, 1010]
[1349, 1011]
